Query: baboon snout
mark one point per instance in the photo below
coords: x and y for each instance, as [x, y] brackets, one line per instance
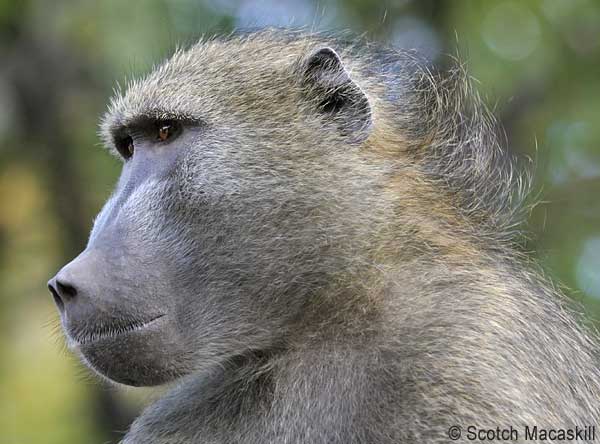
[96, 300]
[80, 283]
[73, 282]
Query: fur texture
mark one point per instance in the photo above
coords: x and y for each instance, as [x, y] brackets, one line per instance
[331, 242]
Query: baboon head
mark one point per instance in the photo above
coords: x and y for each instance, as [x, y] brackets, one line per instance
[247, 187]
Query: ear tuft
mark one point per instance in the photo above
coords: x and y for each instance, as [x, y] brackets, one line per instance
[335, 95]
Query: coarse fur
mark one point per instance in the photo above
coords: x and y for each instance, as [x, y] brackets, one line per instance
[326, 253]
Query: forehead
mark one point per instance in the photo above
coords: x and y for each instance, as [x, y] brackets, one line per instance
[212, 77]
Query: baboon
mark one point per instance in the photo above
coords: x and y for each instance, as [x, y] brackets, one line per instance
[316, 240]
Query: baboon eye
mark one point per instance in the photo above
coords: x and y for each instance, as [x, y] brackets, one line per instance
[165, 130]
[125, 147]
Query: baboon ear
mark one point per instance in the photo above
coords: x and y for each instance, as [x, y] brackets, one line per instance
[334, 94]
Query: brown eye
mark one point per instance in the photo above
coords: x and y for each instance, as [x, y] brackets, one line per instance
[125, 147]
[165, 130]
[130, 148]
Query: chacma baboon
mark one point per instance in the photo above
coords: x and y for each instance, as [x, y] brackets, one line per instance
[315, 240]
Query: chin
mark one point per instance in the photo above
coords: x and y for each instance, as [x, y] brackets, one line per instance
[141, 357]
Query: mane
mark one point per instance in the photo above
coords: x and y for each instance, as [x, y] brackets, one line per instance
[458, 142]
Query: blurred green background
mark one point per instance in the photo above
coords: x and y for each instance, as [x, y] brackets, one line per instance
[537, 63]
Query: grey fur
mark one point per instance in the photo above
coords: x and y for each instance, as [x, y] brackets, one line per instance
[330, 244]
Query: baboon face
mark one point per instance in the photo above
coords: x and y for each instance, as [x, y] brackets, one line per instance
[239, 179]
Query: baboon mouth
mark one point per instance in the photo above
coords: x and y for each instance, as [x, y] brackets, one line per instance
[111, 330]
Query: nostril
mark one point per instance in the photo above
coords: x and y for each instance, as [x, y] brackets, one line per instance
[57, 300]
[62, 292]
[65, 290]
